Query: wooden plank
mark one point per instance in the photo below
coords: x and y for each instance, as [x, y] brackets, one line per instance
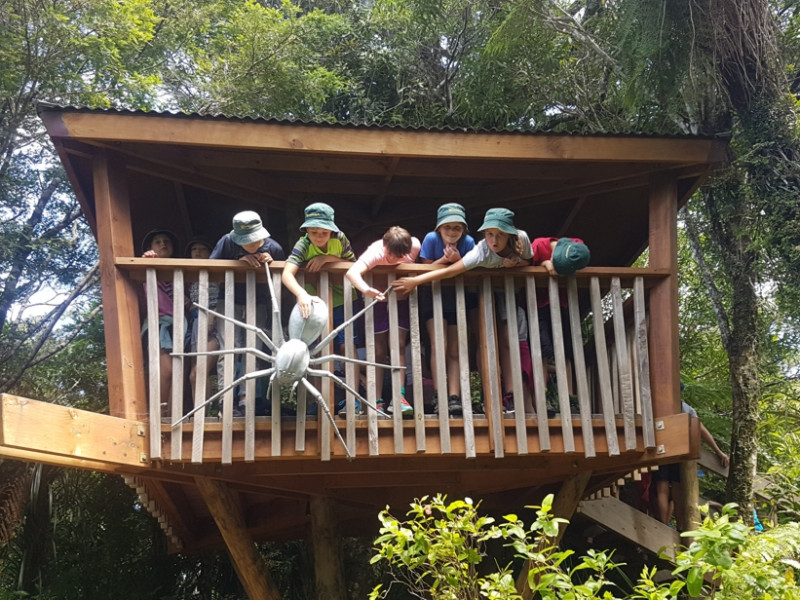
[350, 368]
[632, 524]
[463, 369]
[416, 368]
[579, 363]
[440, 376]
[603, 368]
[249, 366]
[226, 510]
[396, 375]
[640, 329]
[326, 433]
[229, 399]
[178, 337]
[327, 546]
[372, 395]
[490, 370]
[164, 129]
[539, 389]
[516, 363]
[664, 346]
[153, 363]
[623, 365]
[302, 396]
[43, 428]
[127, 395]
[561, 365]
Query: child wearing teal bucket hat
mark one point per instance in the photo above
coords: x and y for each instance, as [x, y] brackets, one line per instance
[503, 246]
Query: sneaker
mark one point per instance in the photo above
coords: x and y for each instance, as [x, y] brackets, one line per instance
[508, 404]
[342, 406]
[454, 406]
[405, 408]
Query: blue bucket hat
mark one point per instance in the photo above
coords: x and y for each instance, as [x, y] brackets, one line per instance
[499, 218]
[451, 213]
[247, 228]
[570, 256]
[319, 215]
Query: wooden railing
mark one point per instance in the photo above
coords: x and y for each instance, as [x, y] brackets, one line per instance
[609, 374]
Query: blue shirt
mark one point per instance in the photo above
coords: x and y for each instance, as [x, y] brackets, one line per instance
[433, 246]
[229, 250]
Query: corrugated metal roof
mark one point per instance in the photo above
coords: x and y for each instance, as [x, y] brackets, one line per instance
[43, 106]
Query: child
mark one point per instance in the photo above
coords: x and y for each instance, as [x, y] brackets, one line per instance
[322, 243]
[561, 256]
[446, 244]
[200, 249]
[396, 247]
[161, 243]
[251, 243]
[503, 246]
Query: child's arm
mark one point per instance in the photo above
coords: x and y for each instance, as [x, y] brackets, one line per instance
[315, 264]
[356, 276]
[407, 284]
[290, 281]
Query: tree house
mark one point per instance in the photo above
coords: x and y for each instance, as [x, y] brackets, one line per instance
[215, 480]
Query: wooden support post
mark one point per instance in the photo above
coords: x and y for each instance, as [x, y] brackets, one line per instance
[328, 563]
[564, 505]
[227, 512]
[664, 352]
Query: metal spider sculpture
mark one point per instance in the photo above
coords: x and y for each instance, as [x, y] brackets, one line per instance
[292, 359]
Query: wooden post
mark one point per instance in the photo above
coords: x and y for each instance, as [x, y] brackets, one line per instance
[564, 505]
[126, 388]
[664, 351]
[227, 512]
[328, 563]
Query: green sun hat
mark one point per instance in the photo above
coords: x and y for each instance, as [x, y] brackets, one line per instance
[247, 228]
[570, 256]
[499, 218]
[451, 213]
[319, 215]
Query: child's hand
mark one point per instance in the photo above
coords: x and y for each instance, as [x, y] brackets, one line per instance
[404, 286]
[451, 253]
[265, 257]
[304, 301]
[252, 260]
[548, 264]
[315, 264]
[375, 294]
[150, 254]
[512, 261]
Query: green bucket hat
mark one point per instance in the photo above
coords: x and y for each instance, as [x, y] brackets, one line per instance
[570, 256]
[499, 218]
[451, 213]
[320, 215]
[247, 228]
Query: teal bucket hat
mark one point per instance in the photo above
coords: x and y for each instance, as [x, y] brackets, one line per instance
[247, 228]
[499, 218]
[570, 256]
[320, 215]
[451, 213]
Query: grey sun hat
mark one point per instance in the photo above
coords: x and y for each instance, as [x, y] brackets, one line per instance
[319, 215]
[499, 218]
[451, 213]
[247, 228]
[570, 256]
[148, 239]
[197, 240]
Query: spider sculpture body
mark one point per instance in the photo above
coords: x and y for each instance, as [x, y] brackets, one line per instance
[292, 360]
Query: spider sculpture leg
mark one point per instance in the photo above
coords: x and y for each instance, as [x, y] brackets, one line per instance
[356, 361]
[230, 386]
[259, 333]
[322, 373]
[321, 402]
[258, 353]
[324, 341]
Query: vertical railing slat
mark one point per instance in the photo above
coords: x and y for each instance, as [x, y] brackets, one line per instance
[463, 369]
[325, 384]
[229, 398]
[350, 368]
[250, 366]
[640, 325]
[416, 369]
[539, 389]
[178, 339]
[153, 363]
[579, 365]
[201, 391]
[440, 376]
[372, 392]
[491, 385]
[516, 363]
[302, 399]
[603, 368]
[561, 366]
[395, 374]
[623, 365]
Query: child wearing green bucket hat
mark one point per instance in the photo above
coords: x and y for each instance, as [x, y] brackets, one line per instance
[503, 246]
[322, 242]
[445, 245]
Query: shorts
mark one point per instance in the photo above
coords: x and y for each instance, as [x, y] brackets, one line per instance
[338, 319]
[670, 473]
[164, 333]
[192, 334]
[380, 313]
[449, 304]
